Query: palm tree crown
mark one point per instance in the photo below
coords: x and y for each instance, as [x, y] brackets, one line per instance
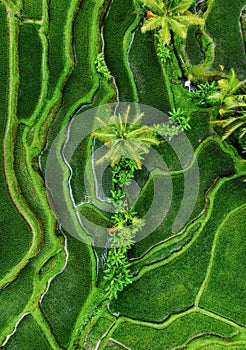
[125, 138]
[169, 16]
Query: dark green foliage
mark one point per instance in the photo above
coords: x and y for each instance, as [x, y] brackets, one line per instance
[27, 337]
[119, 18]
[212, 162]
[177, 283]
[58, 11]
[147, 72]
[193, 45]
[15, 235]
[14, 297]
[82, 79]
[138, 337]
[95, 215]
[225, 291]
[167, 289]
[68, 292]
[223, 26]
[32, 9]
[30, 61]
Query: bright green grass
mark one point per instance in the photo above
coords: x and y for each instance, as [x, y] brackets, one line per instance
[177, 283]
[147, 72]
[15, 235]
[30, 61]
[32, 9]
[225, 293]
[192, 46]
[139, 337]
[212, 162]
[14, 298]
[27, 336]
[68, 291]
[58, 11]
[224, 27]
[119, 19]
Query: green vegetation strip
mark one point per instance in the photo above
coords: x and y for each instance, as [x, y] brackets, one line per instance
[140, 337]
[32, 9]
[147, 72]
[175, 289]
[225, 279]
[213, 162]
[117, 31]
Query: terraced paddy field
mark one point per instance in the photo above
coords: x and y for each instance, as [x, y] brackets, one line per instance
[187, 272]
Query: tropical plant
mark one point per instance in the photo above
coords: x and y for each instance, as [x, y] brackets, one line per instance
[125, 138]
[227, 87]
[180, 117]
[232, 106]
[166, 130]
[231, 124]
[164, 52]
[116, 273]
[101, 66]
[201, 95]
[169, 16]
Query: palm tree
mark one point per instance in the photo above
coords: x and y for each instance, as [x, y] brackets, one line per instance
[232, 106]
[231, 124]
[169, 16]
[125, 138]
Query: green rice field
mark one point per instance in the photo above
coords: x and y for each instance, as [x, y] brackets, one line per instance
[186, 263]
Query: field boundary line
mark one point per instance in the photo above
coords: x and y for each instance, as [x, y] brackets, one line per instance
[213, 252]
[11, 180]
[211, 197]
[45, 327]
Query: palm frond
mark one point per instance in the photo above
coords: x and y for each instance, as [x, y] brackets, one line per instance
[155, 6]
[151, 24]
[189, 19]
[228, 131]
[165, 32]
[182, 6]
[178, 28]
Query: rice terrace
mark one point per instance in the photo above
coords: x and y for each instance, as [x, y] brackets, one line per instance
[123, 182]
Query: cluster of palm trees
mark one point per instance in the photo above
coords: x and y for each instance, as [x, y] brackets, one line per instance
[232, 104]
[127, 141]
[172, 17]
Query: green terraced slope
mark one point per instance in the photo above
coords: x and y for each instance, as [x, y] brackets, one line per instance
[188, 284]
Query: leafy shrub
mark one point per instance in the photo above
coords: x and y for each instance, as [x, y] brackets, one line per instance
[101, 67]
[200, 96]
[164, 52]
[181, 118]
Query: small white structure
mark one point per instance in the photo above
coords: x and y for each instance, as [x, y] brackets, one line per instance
[187, 84]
